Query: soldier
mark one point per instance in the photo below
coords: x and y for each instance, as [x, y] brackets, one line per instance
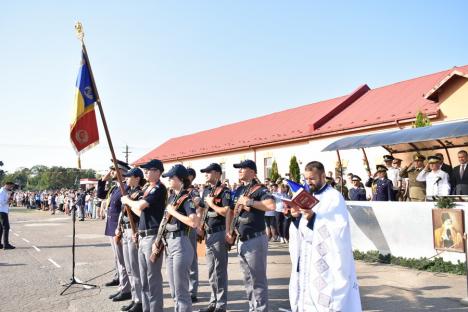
[150, 209]
[382, 187]
[179, 251]
[113, 195]
[357, 192]
[129, 239]
[444, 167]
[193, 287]
[216, 198]
[251, 202]
[416, 189]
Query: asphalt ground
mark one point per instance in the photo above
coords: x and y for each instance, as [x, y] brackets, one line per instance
[32, 275]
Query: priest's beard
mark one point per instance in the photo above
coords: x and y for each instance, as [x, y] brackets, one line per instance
[316, 187]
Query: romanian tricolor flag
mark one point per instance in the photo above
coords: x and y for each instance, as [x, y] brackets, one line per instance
[83, 129]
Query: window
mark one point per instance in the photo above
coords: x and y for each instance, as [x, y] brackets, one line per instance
[267, 163]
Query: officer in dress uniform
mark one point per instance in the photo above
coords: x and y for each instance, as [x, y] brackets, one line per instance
[357, 192]
[135, 181]
[216, 198]
[382, 187]
[416, 189]
[179, 250]
[113, 196]
[437, 180]
[193, 288]
[250, 205]
[150, 209]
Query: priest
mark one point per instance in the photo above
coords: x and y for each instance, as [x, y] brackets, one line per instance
[323, 274]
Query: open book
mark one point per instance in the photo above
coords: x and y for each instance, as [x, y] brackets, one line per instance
[301, 199]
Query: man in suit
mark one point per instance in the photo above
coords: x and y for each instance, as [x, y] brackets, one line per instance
[459, 177]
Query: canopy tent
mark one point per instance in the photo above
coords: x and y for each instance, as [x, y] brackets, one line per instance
[441, 136]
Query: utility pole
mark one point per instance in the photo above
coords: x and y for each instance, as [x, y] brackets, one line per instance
[126, 152]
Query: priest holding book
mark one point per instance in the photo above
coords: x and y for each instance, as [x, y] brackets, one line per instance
[323, 277]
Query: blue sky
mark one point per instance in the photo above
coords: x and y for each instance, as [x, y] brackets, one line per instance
[168, 68]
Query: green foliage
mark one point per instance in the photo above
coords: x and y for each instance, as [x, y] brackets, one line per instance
[423, 264]
[294, 171]
[44, 178]
[274, 175]
[445, 202]
[421, 121]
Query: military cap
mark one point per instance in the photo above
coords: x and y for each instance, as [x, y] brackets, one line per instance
[388, 158]
[121, 165]
[434, 159]
[134, 172]
[177, 170]
[153, 164]
[418, 156]
[213, 166]
[381, 168]
[356, 178]
[247, 164]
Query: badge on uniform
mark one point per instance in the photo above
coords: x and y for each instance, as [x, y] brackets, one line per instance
[192, 206]
[228, 195]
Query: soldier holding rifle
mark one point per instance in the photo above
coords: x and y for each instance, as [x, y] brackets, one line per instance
[215, 204]
[248, 214]
[150, 209]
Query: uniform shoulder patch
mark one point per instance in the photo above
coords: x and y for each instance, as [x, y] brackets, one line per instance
[192, 205]
[228, 195]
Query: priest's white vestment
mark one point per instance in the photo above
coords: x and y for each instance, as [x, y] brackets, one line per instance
[323, 276]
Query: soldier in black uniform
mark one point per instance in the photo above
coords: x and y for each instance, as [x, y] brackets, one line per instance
[179, 250]
[135, 182]
[250, 204]
[382, 187]
[216, 199]
[193, 288]
[113, 196]
[150, 208]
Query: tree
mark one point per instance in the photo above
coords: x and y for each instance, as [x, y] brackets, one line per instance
[294, 171]
[274, 175]
[421, 121]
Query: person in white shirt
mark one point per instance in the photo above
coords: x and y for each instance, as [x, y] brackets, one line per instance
[4, 210]
[393, 173]
[437, 181]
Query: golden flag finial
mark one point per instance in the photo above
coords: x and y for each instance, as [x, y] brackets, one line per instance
[79, 31]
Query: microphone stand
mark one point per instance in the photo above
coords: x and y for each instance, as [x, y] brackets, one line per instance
[73, 281]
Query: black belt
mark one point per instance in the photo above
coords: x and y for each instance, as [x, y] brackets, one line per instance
[216, 229]
[244, 238]
[149, 232]
[176, 234]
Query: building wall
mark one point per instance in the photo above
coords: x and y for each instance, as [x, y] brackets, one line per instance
[402, 229]
[453, 99]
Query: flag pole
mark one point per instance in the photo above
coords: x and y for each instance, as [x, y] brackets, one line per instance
[80, 35]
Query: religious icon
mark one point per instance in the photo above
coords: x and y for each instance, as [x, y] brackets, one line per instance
[448, 229]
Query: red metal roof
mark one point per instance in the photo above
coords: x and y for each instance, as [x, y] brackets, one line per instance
[363, 107]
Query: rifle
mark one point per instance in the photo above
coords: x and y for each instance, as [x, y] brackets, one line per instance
[204, 216]
[238, 209]
[160, 241]
[118, 237]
